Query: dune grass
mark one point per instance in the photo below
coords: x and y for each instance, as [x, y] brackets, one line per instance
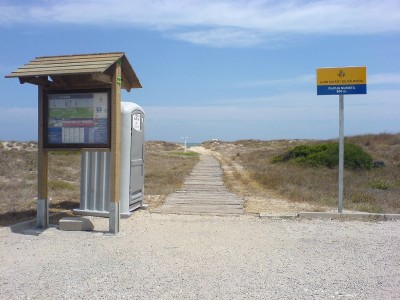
[18, 182]
[166, 165]
[374, 190]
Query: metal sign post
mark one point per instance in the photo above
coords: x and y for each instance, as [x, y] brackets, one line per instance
[341, 153]
[184, 143]
[341, 81]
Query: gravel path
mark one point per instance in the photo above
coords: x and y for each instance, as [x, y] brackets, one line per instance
[204, 257]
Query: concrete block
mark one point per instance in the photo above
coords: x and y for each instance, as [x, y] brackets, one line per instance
[278, 216]
[75, 224]
[349, 216]
[392, 216]
[144, 207]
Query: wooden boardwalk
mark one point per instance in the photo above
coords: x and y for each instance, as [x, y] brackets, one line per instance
[203, 192]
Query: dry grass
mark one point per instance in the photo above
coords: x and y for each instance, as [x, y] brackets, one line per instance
[377, 190]
[248, 167]
[18, 181]
[165, 167]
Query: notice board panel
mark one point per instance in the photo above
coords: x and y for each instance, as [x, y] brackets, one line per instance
[77, 119]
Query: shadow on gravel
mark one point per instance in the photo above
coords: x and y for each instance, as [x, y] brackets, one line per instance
[64, 205]
[14, 217]
[24, 221]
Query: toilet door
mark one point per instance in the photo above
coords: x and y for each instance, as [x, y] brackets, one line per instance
[137, 161]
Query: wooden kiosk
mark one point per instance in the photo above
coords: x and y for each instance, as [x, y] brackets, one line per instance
[79, 107]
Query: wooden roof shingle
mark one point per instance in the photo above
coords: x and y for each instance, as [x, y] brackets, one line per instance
[94, 68]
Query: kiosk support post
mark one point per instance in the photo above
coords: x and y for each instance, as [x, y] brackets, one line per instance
[43, 202]
[114, 218]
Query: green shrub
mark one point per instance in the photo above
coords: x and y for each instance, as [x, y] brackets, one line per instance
[57, 185]
[356, 158]
[327, 155]
[379, 184]
[361, 197]
[64, 152]
[182, 153]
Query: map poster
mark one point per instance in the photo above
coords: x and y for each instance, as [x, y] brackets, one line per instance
[78, 120]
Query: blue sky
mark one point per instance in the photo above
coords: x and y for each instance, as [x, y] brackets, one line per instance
[238, 69]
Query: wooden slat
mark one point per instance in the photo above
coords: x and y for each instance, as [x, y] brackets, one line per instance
[77, 65]
[111, 54]
[129, 75]
[59, 80]
[31, 69]
[57, 64]
[116, 55]
[80, 86]
[58, 72]
[102, 78]
[203, 192]
[42, 81]
[54, 65]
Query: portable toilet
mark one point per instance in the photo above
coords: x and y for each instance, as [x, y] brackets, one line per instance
[95, 169]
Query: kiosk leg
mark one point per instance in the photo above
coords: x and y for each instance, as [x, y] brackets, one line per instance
[43, 213]
[114, 217]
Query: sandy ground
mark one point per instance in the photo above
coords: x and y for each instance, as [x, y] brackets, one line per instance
[158, 256]
[28, 146]
[198, 257]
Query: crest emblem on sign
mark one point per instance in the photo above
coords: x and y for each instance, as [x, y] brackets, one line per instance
[341, 74]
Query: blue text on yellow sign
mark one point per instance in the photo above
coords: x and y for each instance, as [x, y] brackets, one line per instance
[340, 81]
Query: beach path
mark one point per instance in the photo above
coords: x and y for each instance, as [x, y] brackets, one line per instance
[203, 193]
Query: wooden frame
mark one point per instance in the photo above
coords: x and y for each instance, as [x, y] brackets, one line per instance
[57, 145]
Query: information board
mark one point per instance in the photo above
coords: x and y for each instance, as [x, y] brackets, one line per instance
[342, 81]
[78, 119]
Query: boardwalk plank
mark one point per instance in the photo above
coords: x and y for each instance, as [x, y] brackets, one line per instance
[203, 192]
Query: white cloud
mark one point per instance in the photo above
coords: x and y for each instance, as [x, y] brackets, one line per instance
[291, 115]
[17, 114]
[290, 106]
[384, 78]
[217, 22]
[18, 124]
[222, 37]
[297, 115]
[306, 80]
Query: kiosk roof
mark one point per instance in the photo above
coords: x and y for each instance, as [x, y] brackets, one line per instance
[65, 70]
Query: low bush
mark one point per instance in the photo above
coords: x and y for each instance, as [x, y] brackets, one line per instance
[327, 155]
[59, 185]
[373, 190]
[379, 184]
[184, 153]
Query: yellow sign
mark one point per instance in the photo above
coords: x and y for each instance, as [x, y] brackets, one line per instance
[346, 80]
[338, 76]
